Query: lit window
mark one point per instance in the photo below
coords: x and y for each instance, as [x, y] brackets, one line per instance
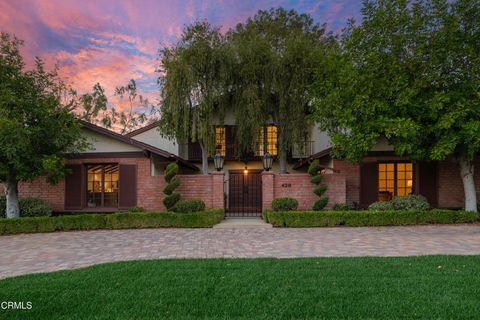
[268, 139]
[102, 185]
[394, 179]
[220, 144]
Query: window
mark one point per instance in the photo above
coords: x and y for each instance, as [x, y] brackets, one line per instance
[394, 179]
[268, 139]
[102, 185]
[220, 144]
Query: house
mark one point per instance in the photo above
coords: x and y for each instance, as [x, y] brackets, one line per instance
[121, 171]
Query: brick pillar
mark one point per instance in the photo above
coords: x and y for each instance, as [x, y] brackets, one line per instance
[218, 199]
[267, 189]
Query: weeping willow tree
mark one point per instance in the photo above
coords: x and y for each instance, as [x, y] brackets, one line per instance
[275, 59]
[192, 87]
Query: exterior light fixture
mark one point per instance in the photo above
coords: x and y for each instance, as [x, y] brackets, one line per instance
[267, 161]
[218, 161]
[245, 171]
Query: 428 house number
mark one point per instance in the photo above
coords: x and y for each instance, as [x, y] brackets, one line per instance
[286, 185]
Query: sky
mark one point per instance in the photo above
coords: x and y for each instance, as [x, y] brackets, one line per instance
[113, 41]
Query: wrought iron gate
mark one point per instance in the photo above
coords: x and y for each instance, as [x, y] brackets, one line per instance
[244, 194]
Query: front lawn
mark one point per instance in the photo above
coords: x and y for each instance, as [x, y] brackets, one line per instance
[414, 287]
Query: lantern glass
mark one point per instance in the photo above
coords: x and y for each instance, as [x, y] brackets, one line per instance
[267, 161]
[218, 161]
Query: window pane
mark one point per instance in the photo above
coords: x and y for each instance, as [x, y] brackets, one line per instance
[382, 167]
[401, 174]
[401, 167]
[220, 142]
[390, 175]
[390, 166]
[401, 183]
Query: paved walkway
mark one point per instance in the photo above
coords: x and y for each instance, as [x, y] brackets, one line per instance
[28, 253]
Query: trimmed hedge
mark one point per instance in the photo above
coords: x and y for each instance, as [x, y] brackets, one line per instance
[121, 220]
[190, 205]
[284, 204]
[301, 219]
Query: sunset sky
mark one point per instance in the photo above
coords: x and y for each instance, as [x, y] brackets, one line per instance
[112, 41]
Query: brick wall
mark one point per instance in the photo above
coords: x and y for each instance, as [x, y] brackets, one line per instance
[450, 186]
[149, 188]
[352, 177]
[298, 186]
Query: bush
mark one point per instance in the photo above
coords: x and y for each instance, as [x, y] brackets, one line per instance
[410, 202]
[284, 204]
[320, 203]
[341, 207]
[351, 218]
[204, 219]
[136, 209]
[187, 206]
[320, 189]
[172, 183]
[29, 207]
[381, 205]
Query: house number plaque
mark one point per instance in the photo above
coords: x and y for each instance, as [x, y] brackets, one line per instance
[286, 185]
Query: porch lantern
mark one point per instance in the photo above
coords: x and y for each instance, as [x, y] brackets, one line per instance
[218, 161]
[267, 161]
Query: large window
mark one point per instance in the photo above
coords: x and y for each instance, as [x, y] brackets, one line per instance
[220, 142]
[102, 185]
[394, 179]
[267, 140]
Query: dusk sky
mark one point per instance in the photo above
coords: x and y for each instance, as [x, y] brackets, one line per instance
[112, 41]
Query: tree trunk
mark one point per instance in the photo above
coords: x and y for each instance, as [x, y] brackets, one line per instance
[11, 193]
[466, 172]
[204, 158]
[282, 152]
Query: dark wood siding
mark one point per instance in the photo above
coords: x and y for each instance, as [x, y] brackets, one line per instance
[74, 187]
[427, 181]
[127, 186]
[368, 183]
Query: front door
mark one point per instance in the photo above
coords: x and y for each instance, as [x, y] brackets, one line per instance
[245, 193]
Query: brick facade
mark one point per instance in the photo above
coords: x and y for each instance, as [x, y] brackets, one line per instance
[298, 186]
[209, 188]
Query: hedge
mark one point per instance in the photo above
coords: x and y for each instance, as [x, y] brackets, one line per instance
[301, 219]
[123, 220]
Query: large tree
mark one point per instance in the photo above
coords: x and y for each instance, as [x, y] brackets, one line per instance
[409, 72]
[36, 130]
[192, 77]
[275, 59]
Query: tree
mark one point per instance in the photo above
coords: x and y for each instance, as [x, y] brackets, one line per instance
[411, 73]
[275, 61]
[191, 82]
[36, 130]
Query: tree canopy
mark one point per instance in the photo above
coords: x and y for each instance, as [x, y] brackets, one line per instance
[36, 130]
[409, 72]
[192, 78]
[275, 58]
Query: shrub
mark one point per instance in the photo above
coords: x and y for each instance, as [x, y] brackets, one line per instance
[320, 190]
[284, 204]
[341, 207]
[381, 205]
[187, 206]
[136, 209]
[172, 183]
[410, 202]
[204, 219]
[352, 218]
[29, 207]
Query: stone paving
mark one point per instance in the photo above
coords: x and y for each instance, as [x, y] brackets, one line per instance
[30, 253]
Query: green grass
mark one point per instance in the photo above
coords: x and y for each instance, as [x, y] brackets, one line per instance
[431, 287]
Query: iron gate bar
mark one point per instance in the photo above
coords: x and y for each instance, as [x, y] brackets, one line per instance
[245, 193]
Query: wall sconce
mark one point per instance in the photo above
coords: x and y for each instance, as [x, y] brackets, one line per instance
[218, 161]
[245, 171]
[267, 161]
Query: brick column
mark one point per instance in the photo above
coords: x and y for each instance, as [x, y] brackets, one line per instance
[218, 199]
[267, 189]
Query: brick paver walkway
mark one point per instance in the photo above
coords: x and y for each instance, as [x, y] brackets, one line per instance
[28, 253]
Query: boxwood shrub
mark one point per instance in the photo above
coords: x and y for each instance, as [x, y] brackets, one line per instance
[284, 204]
[123, 220]
[29, 207]
[301, 219]
[190, 205]
[410, 202]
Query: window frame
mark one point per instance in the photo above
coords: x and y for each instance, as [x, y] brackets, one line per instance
[102, 196]
[395, 176]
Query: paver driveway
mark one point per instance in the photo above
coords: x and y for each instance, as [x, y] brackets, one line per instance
[28, 253]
